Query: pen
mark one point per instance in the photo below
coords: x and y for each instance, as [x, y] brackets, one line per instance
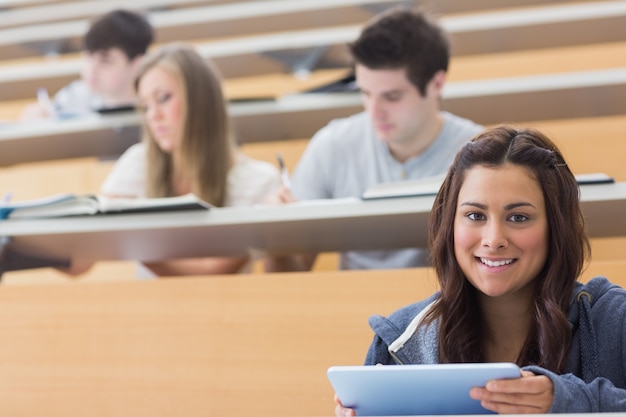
[284, 175]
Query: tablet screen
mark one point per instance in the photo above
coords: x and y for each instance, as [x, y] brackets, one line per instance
[415, 389]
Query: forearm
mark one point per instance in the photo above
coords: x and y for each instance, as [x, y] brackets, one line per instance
[196, 266]
[289, 263]
[573, 395]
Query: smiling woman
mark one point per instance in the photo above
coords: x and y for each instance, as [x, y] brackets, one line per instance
[187, 147]
[501, 238]
[508, 244]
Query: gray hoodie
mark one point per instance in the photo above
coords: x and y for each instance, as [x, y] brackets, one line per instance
[595, 377]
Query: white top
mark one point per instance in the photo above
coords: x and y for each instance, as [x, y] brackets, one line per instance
[249, 181]
[76, 99]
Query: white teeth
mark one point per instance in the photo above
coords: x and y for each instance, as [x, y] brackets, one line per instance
[495, 263]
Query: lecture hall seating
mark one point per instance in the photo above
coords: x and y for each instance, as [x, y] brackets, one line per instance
[282, 50]
[109, 345]
[574, 135]
[256, 345]
[188, 23]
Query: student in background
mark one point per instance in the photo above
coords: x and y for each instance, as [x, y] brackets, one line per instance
[187, 147]
[113, 47]
[401, 60]
[508, 244]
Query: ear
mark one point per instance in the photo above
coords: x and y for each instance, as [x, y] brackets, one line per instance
[134, 63]
[436, 83]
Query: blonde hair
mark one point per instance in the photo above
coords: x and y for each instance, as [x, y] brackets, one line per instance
[207, 148]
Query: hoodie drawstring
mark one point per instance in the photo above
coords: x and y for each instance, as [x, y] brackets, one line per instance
[589, 356]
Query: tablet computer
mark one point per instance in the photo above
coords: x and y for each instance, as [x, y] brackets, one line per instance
[415, 389]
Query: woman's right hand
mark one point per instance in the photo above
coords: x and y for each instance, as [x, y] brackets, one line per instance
[341, 411]
[281, 196]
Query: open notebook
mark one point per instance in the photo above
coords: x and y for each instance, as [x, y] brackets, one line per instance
[430, 186]
[63, 205]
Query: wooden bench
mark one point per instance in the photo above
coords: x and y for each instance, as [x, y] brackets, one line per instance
[230, 19]
[32, 12]
[266, 86]
[277, 51]
[593, 144]
[238, 346]
[43, 12]
[589, 145]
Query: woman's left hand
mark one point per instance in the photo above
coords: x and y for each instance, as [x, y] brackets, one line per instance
[526, 395]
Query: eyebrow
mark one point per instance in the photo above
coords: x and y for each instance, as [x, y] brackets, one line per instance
[392, 91]
[158, 90]
[507, 207]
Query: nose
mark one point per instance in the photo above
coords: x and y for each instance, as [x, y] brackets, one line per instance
[494, 236]
[153, 112]
[375, 107]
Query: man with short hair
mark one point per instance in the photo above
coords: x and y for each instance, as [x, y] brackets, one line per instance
[113, 47]
[401, 60]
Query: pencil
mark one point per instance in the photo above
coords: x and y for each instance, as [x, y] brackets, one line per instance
[284, 175]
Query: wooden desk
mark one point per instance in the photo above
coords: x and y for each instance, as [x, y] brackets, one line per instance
[184, 24]
[280, 48]
[322, 226]
[49, 11]
[528, 27]
[59, 10]
[491, 101]
[94, 135]
[256, 345]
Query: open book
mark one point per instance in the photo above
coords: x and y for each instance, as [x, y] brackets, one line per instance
[431, 185]
[594, 178]
[63, 205]
[408, 188]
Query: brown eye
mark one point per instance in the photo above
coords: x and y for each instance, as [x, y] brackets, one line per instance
[518, 218]
[475, 216]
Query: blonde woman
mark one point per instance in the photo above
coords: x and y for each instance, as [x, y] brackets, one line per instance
[187, 147]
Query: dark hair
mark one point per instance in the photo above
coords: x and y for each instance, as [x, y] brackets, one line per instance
[549, 339]
[129, 31]
[402, 38]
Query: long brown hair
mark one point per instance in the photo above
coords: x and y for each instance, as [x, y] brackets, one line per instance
[548, 341]
[207, 147]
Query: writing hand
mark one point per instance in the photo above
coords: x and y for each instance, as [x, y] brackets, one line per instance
[281, 196]
[529, 394]
[35, 111]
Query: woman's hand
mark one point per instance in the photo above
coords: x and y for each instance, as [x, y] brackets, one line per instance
[529, 394]
[281, 196]
[341, 411]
